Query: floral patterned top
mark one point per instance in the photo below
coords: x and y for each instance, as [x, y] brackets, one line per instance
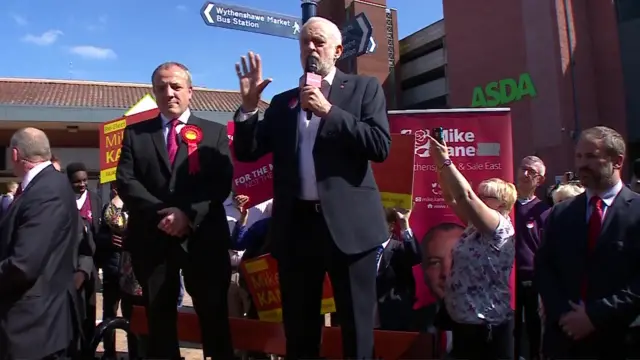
[477, 290]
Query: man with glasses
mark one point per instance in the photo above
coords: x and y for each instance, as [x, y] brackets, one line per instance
[529, 215]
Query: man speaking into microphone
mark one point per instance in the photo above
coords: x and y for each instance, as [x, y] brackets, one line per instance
[327, 214]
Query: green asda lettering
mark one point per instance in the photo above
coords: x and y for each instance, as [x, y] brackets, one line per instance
[503, 92]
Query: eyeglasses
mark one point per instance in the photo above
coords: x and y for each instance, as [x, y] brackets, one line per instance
[529, 171]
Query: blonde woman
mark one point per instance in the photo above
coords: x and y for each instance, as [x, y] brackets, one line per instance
[565, 192]
[477, 293]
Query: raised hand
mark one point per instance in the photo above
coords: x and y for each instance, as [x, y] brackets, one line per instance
[251, 82]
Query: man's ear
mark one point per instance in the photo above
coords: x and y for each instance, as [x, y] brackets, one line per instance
[617, 162]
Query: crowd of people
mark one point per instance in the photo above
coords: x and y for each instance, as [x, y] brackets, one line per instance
[174, 223]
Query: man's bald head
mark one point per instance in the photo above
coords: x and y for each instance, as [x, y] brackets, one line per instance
[31, 145]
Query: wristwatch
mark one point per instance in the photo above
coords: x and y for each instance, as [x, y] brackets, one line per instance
[445, 163]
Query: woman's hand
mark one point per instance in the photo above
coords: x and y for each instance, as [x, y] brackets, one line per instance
[438, 152]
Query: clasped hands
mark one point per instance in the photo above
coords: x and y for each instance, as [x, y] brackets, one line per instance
[249, 72]
[174, 222]
[576, 323]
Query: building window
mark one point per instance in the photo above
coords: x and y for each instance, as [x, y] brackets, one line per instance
[628, 10]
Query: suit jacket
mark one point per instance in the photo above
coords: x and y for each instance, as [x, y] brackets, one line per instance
[38, 241]
[85, 262]
[612, 273]
[395, 283]
[148, 183]
[355, 132]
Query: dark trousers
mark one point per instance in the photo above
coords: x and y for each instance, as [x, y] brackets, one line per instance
[302, 263]
[135, 345]
[109, 261]
[207, 272]
[527, 308]
[483, 342]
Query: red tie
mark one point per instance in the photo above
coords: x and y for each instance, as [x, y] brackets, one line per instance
[172, 140]
[595, 227]
[18, 192]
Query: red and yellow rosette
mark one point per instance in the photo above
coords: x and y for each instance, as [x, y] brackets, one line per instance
[192, 135]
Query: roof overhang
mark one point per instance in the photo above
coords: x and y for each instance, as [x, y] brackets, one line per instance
[84, 114]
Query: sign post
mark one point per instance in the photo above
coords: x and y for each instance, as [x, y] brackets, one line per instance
[309, 9]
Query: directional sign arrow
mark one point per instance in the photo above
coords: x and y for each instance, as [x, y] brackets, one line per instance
[372, 45]
[356, 37]
[206, 12]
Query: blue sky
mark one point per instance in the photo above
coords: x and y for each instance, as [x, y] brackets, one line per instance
[124, 40]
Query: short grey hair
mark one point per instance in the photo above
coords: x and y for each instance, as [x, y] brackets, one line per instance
[334, 33]
[542, 169]
[32, 144]
[614, 144]
[170, 64]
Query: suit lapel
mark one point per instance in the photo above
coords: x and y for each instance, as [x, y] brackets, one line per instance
[614, 214]
[581, 227]
[339, 87]
[160, 143]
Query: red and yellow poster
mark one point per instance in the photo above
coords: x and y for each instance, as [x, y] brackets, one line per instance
[261, 275]
[111, 134]
[394, 176]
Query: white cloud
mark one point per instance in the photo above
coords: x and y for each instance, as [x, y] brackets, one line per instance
[181, 8]
[93, 52]
[20, 20]
[47, 38]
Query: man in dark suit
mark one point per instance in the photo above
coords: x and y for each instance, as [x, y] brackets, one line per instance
[588, 266]
[38, 240]
[86, 279]
[174, 175]
[327, 213]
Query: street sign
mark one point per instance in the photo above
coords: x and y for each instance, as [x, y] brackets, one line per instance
[356, 37]
[252, 20]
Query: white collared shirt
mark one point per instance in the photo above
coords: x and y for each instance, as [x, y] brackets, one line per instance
[32, 173]
[607, 198]
[183, 119]
[307, 132]
[81, 199]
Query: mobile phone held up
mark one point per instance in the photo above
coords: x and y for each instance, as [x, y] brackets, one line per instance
[437, 134]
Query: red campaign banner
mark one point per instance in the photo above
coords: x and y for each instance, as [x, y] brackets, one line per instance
[252, 179]
[480, 145]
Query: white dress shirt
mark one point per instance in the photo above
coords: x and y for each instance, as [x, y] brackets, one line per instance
[183, 119]
[81, 199]
[32, 173]
[307, 131]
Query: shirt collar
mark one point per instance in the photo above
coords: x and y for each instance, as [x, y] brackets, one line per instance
[607, 196]
[182, 118]
[526, 201]
[32, 174]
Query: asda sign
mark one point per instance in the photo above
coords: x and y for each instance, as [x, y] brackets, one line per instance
[503, 92]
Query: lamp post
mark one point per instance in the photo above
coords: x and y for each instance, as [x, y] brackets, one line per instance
[309, 9]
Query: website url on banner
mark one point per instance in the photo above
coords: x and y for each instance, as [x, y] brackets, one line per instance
[488, 149]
